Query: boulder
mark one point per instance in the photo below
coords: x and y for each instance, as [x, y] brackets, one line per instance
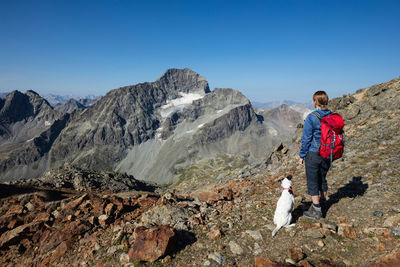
[152, 243]
[214, 234]
[60, 250]
[296, 254]
[74, 203]
[104, 220]
[13, 236]
[208, 196]
[110, 209]
[235, 248]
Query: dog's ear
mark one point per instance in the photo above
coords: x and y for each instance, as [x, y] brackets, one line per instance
[281, 179]
[289, 177]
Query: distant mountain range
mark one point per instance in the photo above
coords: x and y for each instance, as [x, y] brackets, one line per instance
[150, 130]
[55, 100]
[275, 104]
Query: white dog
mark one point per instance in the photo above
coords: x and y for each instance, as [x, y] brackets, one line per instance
[283, 215]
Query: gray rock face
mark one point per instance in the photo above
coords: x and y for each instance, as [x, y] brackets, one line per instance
[23, 116]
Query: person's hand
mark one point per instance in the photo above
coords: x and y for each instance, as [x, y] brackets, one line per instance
[301, 161]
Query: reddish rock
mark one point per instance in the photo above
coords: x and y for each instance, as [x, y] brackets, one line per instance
[93, 220]
[305, 263]
[120, 208]
[110, 209]
[346, 230]
[104, 220]
[388, 260]
[74, 203]
[183, 205]
[70, 229]
[228, 195]
[42, 239]
[263, 262]
[296, 254]
[12, 224]
[60, 250]
[15, 210]
[97, 207]
[214, 234]
[146, 202]
[5, 220]
[42, 217]
[208, 196]
[13, 236]
[152, 244]
[45, 262]
[86, 205]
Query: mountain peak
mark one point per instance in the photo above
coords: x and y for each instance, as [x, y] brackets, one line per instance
[184, 79]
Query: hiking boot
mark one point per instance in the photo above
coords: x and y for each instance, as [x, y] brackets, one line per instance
[313, 213]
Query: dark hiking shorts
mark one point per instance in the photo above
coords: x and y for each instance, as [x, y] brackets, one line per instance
[316, 169]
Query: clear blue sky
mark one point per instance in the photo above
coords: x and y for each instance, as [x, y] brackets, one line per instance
[269, 50]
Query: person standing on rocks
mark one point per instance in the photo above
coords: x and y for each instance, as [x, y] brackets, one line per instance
[316, 167]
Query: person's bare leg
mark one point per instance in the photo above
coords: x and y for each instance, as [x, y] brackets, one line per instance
[315, 200]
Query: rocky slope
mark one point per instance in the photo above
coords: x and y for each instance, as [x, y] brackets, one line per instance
[151, 131]
[225, 218]
[26, 120]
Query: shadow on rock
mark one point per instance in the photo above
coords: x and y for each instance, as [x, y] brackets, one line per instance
[298, 211]
[10, 190]
[351, 190]
[354, 188]
[184, 239]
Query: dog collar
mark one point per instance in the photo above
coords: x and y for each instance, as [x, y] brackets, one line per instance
[288, 189]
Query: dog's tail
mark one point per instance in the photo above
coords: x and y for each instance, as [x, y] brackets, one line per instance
[276, 230]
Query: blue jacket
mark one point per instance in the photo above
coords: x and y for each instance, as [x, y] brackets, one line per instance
[312, 133]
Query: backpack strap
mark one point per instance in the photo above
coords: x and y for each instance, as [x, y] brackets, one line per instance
[316, 114]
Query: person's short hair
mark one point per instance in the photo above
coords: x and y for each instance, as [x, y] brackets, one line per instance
[321, 98]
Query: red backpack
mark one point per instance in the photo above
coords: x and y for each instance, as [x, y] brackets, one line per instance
[332, 139]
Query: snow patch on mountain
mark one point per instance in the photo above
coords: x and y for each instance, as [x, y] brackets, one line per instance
[179, 104]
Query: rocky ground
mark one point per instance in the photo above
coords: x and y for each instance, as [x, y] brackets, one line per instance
[222, 215]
